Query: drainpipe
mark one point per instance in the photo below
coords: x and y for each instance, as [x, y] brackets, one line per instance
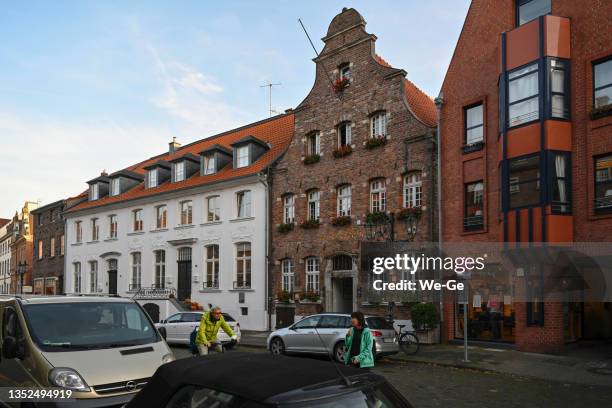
[268, 190]
[439, 101]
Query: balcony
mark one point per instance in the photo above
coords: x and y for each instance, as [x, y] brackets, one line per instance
[153, 292]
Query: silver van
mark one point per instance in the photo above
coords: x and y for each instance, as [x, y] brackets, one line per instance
[102, 349]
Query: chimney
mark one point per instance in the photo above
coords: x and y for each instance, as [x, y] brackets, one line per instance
[103, 173]
[173, 145]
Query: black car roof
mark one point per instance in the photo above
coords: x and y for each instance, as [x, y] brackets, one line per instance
[256, 377]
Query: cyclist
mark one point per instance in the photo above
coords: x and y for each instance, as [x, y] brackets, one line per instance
[210, 324]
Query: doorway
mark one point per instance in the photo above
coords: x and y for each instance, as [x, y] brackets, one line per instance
[342, 289]
[183, 290]
[153, 311]
[112, 276]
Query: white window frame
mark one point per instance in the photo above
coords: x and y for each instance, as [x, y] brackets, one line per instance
[138, 220]
[93, 276]
[213, 208]
[161, 216]
[242, 156]
[314, 205]
[179, 171]
[186, 212]
[474, 126]
[313, 143]
[313, 274]
[209, 164]
[94, 191]
[378, 125]
[115, 186]
[378, 196]
[244, 204]
[344, 198]
[95, 230]
[288, 271]
[159, 257]
[77, 277]
[413, 190]
[289, 208]
[245, 262]
[112, 226]
[52, 247]
[152, 178]
[212, 266]
[348, 137]
[136, 275]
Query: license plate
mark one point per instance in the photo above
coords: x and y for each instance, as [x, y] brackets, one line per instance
[389, 340]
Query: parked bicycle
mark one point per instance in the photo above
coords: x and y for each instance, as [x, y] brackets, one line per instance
[407, 340]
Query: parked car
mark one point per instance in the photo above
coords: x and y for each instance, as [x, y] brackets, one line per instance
[248, 380]
[103, 349]
[325, 333]
[180, 325]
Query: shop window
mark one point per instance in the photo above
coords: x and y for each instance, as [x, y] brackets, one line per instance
[474, 125]
[603, 184]
[524, 181]
[474, 206]
[528, 10]
[602, 84]
[523, 95]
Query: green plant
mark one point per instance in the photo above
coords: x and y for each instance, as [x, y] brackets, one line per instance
[310, 224]
[375, 142]
[284, 296]
[285, 228]
[342, 151]
[601, 111]
[377, 217]
[406, 213]
[341, 221]
[312, 296]
[313, 158]
[424, 316]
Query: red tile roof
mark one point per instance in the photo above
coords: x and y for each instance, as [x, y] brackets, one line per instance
[421, 104]
[4, 221]
[277, 132]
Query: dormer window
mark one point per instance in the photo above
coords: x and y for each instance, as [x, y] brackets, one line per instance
[94, 192]
[115, 186]
[243, 156]
[209, 164]
[152, 178]
[179, 171]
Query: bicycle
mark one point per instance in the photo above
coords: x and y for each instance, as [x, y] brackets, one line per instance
[408, 341]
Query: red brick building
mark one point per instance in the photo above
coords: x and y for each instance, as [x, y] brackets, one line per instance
[22, 249]
[362, 151]
[526, 130]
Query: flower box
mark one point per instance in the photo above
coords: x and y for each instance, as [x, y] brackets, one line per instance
[284, 297]
[314, 158]
[342, 151]
[375, 141]
[340, 84]
[285, 228]
[310, 224]
[312, 297]
[341, 221]
[602, 111]
[406, 213]
[377, 218]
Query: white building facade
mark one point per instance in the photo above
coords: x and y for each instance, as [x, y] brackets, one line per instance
[6, 238]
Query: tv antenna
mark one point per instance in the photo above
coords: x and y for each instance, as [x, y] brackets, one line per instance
[269, 85]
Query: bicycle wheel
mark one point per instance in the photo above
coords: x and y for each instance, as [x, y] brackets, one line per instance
[409, 343]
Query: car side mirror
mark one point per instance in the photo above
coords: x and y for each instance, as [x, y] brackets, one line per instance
[164, 321]
[162, 331]
[11, 348]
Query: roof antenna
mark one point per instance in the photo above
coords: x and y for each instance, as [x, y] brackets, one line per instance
[344, 378]
[269, 85]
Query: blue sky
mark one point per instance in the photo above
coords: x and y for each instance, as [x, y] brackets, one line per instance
[87, 86]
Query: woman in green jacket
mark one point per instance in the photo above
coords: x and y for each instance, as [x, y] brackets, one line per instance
[359, 343]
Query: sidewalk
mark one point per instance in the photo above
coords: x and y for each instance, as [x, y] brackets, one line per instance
[580, 368]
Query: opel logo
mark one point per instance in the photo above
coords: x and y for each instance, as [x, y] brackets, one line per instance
[130, 386]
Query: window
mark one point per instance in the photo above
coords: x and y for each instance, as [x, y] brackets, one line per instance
[413, 190]
[62, 245]
[528, 10]
[242, 159]
[209, 164]
[559, 89]
[243, 199]
[179, 171]
[78, 232]
[314, 143]
[312, 274]
[288, 209]
[314, 205]
[603, 183]
[39, 219]
[40, 249]
[344, 200]
[160, 268]
[308, 322]
[77, 277]
[378, 125]
[524, 181]
[345, 71]
[95, 229]
[93, 277]
[186, 212]
[560, 189]
[378, 193]
[474, 124]
[602, 84]
[94, 191]
[342, 263]
[112, 226]
[288, 275]
[52, 247]
[212, 267]
[136, 271]
[523, 91]
[213, 209]
[243, 265]
[161, 217]
[344, 134]
[137, 223]
[115, 186]
[152, 178]
[473, 216]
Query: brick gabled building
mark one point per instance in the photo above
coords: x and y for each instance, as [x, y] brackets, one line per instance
[527, 154]
[363, 149]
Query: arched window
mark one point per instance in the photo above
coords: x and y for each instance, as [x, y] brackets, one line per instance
[288, 269]
[212, 266]
[378, 196]
[413, 190]
[160, 268]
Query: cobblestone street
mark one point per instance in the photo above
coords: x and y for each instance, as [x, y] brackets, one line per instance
[427, 385]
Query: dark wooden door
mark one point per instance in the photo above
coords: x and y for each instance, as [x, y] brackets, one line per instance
[112, 282]
[183, 290]
[153, 311]
[285, 316]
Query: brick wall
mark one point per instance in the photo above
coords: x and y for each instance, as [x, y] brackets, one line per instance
[51, 226]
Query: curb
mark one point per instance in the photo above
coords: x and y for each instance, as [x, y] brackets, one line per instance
[451, 365]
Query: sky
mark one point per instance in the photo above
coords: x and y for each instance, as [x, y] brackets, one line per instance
[87, 86]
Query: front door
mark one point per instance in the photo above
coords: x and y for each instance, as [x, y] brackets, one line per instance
[112, 282]
[342, 295]
[183, 286]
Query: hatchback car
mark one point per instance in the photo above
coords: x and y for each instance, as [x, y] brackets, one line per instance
[325, 333]
[248, 380]
[180, 325]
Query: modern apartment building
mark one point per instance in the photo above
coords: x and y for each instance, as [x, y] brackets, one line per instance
[526, 130]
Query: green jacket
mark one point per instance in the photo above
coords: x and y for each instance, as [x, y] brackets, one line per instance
[365, 356]
[207, 333]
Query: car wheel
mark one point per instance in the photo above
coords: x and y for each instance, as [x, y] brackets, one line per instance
[277, 347]
[339, 351]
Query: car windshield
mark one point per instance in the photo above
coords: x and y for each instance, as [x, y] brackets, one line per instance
[228, 318]
[381, 396]
[378, 323]
[88, 325]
